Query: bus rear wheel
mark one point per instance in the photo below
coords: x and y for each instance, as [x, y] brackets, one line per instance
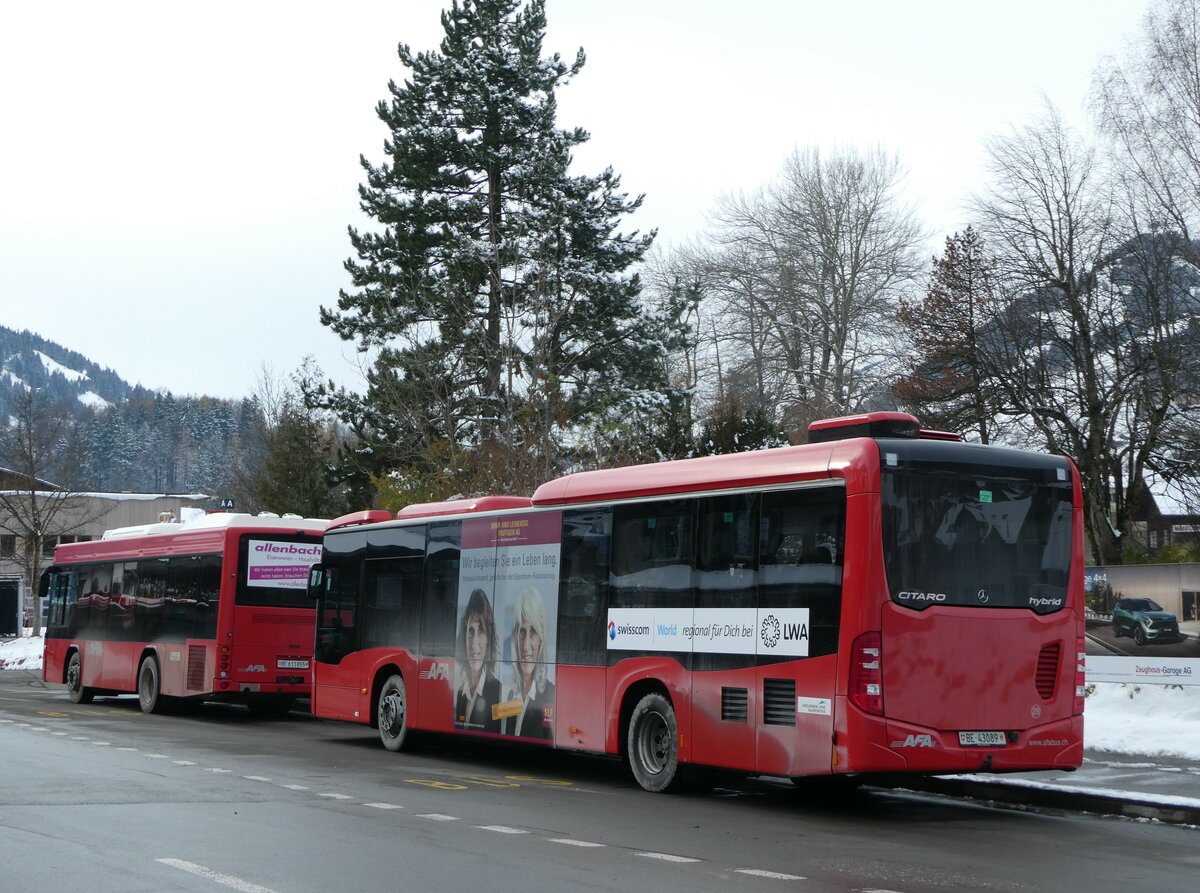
[653, 744]
[392, 714]
[76, 690]
[150, 696]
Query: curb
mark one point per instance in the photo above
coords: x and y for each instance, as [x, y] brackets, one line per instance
[1130, 806]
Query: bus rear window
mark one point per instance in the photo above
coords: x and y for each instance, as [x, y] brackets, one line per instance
[273, 570]
[981, 538]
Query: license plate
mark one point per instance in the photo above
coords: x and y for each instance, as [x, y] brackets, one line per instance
[981, 739]
[291, 665]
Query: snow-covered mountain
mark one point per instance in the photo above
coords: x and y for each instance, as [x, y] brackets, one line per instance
[28, 360]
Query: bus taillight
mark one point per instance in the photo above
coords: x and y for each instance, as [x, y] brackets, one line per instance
[866, 673]
[1080, 674]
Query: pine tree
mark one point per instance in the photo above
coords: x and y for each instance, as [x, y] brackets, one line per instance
[947, 382]
[495, 289]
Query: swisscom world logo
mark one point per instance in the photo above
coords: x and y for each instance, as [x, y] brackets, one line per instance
[612, 630]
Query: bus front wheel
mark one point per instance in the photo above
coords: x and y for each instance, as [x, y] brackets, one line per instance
[653, 744]
[76, 690]
[150, 696]
[392, 713]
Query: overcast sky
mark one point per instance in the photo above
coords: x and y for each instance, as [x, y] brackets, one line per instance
[177, 177]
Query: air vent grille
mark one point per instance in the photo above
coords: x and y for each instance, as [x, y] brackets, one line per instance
[779, 702]
[1047, 670]
[195, 668]
[735, 704]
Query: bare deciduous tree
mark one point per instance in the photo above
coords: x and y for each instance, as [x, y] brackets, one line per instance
[806, 276]
[42, 454]
[1086, 352]
[1149, 104]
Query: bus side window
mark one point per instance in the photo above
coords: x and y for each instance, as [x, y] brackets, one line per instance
[654, 549]
[441, 589]
[62, 592]
[583, 587]
[802, 544]
[391, 602]
[337, 604]
[151, 582]
[726, 567]
[208, 597]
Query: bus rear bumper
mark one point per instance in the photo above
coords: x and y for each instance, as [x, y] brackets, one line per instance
[1054, 745]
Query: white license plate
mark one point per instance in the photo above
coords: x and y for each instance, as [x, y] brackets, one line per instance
[291, 665]
[981, 739]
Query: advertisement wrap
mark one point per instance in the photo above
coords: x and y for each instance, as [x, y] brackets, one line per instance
[772, 632]
[507, 630]
[280, 565]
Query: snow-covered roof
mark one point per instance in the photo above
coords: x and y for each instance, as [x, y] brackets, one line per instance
[1170, 498]
[216, 520]
[115, 497]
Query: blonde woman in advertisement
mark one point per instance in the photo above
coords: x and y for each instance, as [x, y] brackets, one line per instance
[530, 702]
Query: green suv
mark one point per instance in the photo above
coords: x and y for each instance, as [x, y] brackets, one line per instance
[1145, 620]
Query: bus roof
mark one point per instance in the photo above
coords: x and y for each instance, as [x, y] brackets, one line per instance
[205, 533]
[724, 472]
[464, 506]
[215, 520]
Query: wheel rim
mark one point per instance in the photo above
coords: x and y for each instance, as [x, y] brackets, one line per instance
[654, 743]
[391, 713]
[73, 674]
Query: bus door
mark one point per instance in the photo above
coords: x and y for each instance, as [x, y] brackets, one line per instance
[112, 603]
[725, 695]
[339, 681]
[582, 618]
[801, 555]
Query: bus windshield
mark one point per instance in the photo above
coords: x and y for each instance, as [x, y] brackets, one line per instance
[981, 537]
[273, 570]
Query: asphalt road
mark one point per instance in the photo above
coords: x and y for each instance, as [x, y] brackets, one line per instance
[103, 798]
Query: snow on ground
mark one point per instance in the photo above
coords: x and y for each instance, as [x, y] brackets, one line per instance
[53, 366]
[24, 653]
[94, 400]
[1148, 720]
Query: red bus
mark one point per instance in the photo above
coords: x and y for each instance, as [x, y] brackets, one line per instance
[880, 600]
[212, 609]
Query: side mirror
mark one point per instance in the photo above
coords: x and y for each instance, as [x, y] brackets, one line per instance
[44, 582]
[316, 580]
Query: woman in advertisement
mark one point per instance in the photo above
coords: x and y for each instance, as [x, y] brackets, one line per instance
[478, 686]
[529, 707]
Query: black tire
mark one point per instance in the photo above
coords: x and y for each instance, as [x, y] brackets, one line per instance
[150, 697]
[1139, 635]
[652, 746]
[1116, 630]
[76, 690]
[391, 714]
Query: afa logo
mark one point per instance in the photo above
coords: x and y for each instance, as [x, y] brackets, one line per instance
[437, 670]
[612, 630]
